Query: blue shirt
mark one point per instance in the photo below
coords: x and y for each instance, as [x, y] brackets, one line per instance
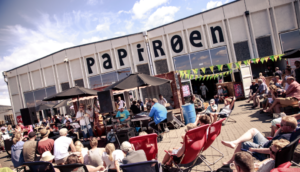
[125, 114]
[17, 154]
[158, 113]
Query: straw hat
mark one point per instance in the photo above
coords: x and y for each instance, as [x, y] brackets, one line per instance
[47, 156]
[44, 132]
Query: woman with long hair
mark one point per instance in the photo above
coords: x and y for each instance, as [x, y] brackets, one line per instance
[17, 150]
[83, 151]
[74, 159]
[10, 130]
[111, 158]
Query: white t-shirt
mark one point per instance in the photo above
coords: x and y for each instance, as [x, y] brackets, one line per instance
[286, 84]
[226, 109]
[61, 147]
[90, 112]
[121, 104]
[118, 155]
[83, 121]
[162, 101]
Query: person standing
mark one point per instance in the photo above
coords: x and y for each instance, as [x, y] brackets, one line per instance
[162, 100]
[84, 122]
[29, 148]
[91, 113]
[297, 71]
[120, 102]
[203, 89]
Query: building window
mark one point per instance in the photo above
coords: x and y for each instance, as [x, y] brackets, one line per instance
[219, 56]
[242, 51]
[39, 95]
[65, 86]
[161, 66]
[50, 91]
[290, 41]
[109, 78]
[182, 62]
[264, 46]
[200, 59]
[95, 81]
[29, 99]
[79, 83]
[123, 73]
[144, 68]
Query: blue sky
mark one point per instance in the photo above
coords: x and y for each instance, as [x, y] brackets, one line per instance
[31, 29]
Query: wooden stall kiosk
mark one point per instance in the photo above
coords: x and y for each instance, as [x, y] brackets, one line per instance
[234, 89]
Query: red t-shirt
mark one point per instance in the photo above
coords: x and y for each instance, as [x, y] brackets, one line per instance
[46, 145]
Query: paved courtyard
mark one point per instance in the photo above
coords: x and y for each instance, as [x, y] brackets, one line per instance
[246, 118]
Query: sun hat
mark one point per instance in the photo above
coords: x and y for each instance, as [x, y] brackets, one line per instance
[125, 146]
[44, 132]
[47, 156]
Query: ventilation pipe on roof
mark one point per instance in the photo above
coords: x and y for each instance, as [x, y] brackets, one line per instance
[145, 34]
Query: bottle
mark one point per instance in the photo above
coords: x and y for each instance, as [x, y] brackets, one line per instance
[110, 136]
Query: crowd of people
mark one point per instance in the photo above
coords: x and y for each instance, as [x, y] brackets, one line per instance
[62, 150]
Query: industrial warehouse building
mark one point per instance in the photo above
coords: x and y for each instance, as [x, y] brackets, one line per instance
[237, 31]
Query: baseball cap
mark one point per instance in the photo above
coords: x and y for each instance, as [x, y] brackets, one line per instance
[125, 146]
[31, 134]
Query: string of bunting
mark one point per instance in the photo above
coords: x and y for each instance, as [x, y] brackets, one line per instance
[193, 74]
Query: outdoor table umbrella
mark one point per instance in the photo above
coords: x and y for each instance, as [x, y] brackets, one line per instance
[137, 80]
[292, 54]
[61, 104]
[44, 106]
[74, 92]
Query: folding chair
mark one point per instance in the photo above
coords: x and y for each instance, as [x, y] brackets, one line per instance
[285, 170]
[148, 143]
[146, 166]
[195, 140]
[228, 117]
[40, 166]
[213, 133]
[70, 167]
[7, 145]
[286, 154]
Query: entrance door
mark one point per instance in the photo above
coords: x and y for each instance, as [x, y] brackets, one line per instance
[246, 79]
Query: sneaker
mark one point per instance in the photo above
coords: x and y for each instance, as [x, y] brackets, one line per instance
[166, 130]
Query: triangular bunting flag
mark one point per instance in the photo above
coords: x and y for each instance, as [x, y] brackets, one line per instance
[249, 62]
[266, 59]
[257, 60]
[188, 72]
[211, 76]
[181, 74]
[187, 76]
[208, 77]
[262, 60]
[203, 69]
[230, 72]
[192, 77]
[237, 65]
[245, 62]
[196, 77]
[276, 57]
[240, 63]
[211, 68]
[220, 67]
[229, 65]
[216, 76]
[195, 71]
[203, 77]
[280, 55]
[253, 60]
[272, 58]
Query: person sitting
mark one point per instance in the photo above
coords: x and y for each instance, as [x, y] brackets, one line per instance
[262, 77]
[61, 147]
[74, 159]
[243, 162]
[29, 148]
[45, 144]
[67, 119]
[269, 164]
[162, 100]
[288, 73]
[159, 114]
[270, 97]
[132, 156]
[83, 151]
[224, 94]
[202, 120]
[135, 110]
[95, 154]
[17, 157]
[70, 129]
[197, 103]
[276, 82]
[292, 96]
[226, 110]
[10, 130]
[260, 143]
[253, 89]
[276, 121]
[149, 104]
[48, 157]
[212, 107]
[19, 128]
[125, 116]
[111, 158]
[141, 103]
[177, 151]
[172, 104]
[259, 94]
[278, 72]
[142, 133]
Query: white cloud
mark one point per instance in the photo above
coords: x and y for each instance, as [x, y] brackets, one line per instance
[161, 16]
[120, 33]
[143, 6]
[123, 11]
[94, 2]
[92, 39]
[102, 27]
[188, 8]
[213, 4]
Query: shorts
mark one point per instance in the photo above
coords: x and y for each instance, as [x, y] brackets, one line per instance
[258, 141]
[176, 159]
[175, 151]
[61, 161]
[288, 101]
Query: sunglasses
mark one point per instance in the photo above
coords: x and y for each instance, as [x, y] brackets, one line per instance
[274, 153]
